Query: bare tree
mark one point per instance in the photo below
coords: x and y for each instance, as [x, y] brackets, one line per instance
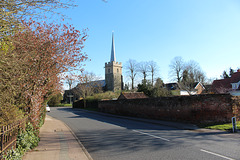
[195, 72]
[70, 80]
[192, 73]
[89, 84]
[143, 67]
[177, 68]
[153, 68]
[131, 67]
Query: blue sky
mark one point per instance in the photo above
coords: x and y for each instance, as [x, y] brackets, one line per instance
[206, 31]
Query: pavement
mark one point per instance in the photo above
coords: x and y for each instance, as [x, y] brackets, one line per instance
[57, 142]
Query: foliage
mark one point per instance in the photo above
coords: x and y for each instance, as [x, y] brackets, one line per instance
[13, 154]
[145, 87]
[61, 105]
[32, 68]
[175, 92]
[26, 141]
[55, 99]
[105, 95]
[157, 90]
[227, 75]
[227, 126]
[9, 114]
[12, 11]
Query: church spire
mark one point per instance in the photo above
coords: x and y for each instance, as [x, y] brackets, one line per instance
[113, 57]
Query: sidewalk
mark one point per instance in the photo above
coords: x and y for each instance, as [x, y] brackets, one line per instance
[57, 142]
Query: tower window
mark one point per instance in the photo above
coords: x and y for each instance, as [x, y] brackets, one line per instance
[108, 70]
[117, 70]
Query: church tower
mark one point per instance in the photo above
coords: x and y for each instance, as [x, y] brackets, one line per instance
[113, 72]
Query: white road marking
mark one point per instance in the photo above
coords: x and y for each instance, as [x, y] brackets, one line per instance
[151, 135]
[216, 154]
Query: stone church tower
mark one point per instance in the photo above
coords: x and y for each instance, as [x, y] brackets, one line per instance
[113, 72]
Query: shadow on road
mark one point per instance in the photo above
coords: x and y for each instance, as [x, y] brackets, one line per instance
[116, 138]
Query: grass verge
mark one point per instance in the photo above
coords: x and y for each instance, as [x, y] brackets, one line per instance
[61, 105]
[226, 127]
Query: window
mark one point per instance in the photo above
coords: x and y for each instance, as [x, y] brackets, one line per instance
[117, 70]
[235, 85]
[108, 70]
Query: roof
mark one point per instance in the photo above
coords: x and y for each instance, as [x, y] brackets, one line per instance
[224, 85]
[98, 83]
[235, 78]
[132, 95]
[198, 83]
[175, 86]
[172, 86]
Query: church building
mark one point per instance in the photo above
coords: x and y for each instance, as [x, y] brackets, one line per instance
[113, 72]
[113, 79]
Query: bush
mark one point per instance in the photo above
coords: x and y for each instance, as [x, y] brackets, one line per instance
[9, 114]
[26, 140]
[105, 95]
[55, 99]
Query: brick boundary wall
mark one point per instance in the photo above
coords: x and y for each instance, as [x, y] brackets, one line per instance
[198, 109]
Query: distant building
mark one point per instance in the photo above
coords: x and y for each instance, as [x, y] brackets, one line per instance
[113, 72]
[196, 88]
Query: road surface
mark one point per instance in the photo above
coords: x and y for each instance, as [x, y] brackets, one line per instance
[112, 138]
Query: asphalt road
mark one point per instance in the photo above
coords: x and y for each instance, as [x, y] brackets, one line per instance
[112, 138]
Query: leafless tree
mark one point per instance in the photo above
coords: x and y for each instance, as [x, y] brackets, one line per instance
[89, 84]
[70, 80]
[153, 69]
[177, 68]
[143, 68]
[192, 73]
[195, 71]
[131, 68]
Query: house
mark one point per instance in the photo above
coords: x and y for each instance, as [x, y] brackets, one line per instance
[132, 95]
[196, 88]
[228, 85]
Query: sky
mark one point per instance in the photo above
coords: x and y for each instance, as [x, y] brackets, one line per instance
[206, 31]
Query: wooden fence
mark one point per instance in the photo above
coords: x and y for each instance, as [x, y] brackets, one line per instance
[8, 135]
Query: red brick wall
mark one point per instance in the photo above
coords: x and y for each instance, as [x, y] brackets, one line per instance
[195, 109]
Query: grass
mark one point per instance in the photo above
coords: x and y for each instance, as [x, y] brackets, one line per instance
[61, 105]
[227, 126]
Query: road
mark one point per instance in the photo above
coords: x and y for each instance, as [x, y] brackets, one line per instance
[112, 138]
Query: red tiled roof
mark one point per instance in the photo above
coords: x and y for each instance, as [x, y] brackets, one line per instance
[235, 77]
[224, 85]
[132, 95]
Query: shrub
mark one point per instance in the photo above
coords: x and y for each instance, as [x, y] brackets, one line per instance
[9, 114]
[26, 141]
[55, 99]
[105, 95]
